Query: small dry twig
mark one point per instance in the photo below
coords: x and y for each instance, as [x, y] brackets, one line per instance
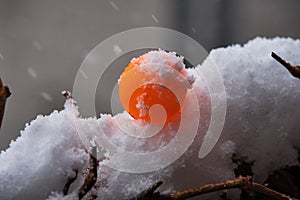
[244, 183]
[69, 182]
[91, 176]
[4, 94]
[294, 70]
[67, 94]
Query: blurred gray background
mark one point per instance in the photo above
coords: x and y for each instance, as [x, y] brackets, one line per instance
[43, 42]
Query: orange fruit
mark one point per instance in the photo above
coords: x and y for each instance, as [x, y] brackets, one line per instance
[144, 84]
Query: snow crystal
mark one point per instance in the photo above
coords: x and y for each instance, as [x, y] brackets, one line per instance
[261, 124]
[114, 5]
[37, 45]
[46, 96]
[31, 72]
[84, 74]
[194, 30]
[117, 49]
[154, 18]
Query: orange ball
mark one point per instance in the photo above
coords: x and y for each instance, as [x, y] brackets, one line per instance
[140, 88]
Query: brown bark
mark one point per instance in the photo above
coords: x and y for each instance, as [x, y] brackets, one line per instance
[293, 69]
[4, 94]
[244, 183]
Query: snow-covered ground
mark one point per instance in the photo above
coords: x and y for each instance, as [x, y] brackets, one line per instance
[262, 123]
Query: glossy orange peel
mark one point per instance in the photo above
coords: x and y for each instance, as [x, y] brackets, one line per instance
[157, 77]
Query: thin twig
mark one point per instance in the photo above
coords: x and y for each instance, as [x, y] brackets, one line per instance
[244, 183]
[91, 176]
[4, 94]
[294, 70]
[236, 183]
[256, 187]
[69, 182]
[67, 94]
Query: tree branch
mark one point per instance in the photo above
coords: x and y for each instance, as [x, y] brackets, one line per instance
[69, 182]
[256, 187]
[239, 182]
[91, 177]
[244, 183]
[294, 70]
[4, 94]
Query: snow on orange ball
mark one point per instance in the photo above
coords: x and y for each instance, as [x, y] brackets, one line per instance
[157, 77]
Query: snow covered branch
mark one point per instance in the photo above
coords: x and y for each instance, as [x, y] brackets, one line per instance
[91, 176]
[4, 94]
[261, 129]
[294, 70]
[244, 183]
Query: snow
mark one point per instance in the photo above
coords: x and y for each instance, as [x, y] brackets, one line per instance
[46, 96]
[262, 102]
[166, 65]
[154, 18]
[31, 72]
[83, 74]
[114, 5]
[42, 158]
[261, 124]
[117, 49]
[37, 45]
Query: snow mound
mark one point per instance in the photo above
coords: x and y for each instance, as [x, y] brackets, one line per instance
[42, 158]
